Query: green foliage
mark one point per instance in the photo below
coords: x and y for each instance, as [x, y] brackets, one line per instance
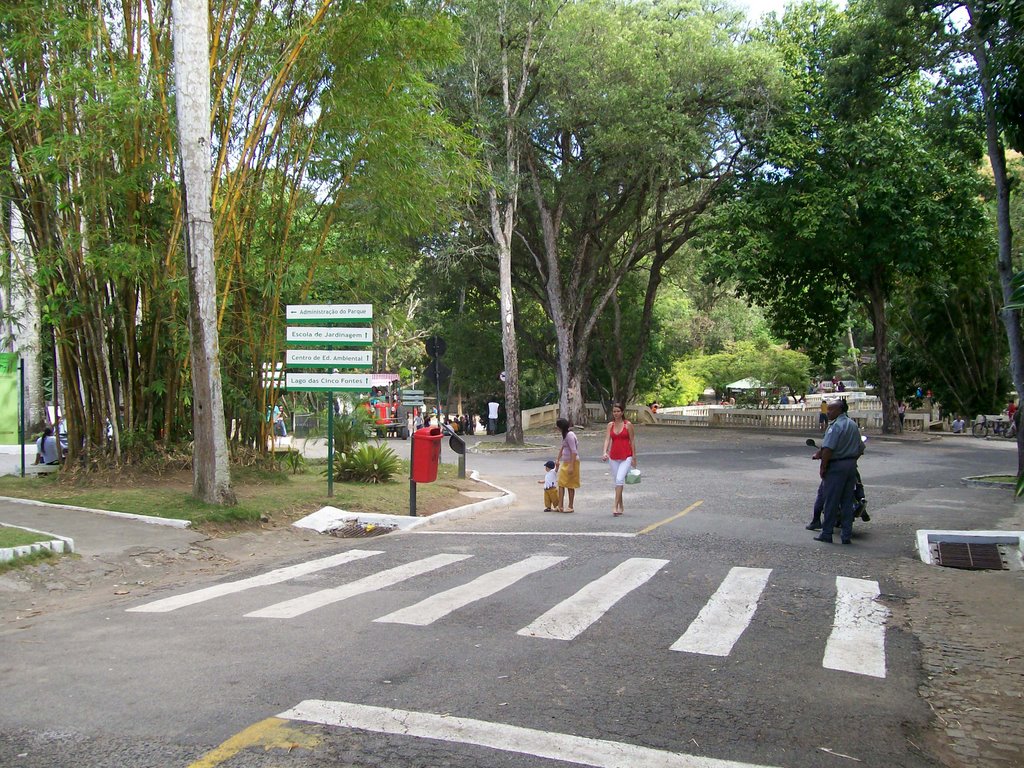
[851, 199]
[633, 116]
[351, 428]
[369, 463]
[948, 336]
[680, 386]
[1000, 24]
[774, 366]
[331, 157]
[295, 461]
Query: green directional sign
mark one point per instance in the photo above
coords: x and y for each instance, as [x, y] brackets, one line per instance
[319, 336]
[412, 397]
[328, 358]
[327, 382]
[313, 314]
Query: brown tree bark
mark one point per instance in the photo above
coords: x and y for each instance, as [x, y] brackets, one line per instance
[880, 328]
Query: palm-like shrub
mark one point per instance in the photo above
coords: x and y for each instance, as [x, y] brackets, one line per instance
[369, 463]
[350, 429]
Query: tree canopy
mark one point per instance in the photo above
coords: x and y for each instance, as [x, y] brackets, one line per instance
[849, 203]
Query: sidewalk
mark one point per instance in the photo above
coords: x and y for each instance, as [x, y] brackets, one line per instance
[970, 627]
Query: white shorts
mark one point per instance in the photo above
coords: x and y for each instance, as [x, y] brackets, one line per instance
[619, 468]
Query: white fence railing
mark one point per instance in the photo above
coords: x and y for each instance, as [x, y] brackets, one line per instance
[866, 413]
[782, 417]
[546, 415]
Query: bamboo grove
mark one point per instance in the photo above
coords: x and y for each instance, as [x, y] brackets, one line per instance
[326, 154]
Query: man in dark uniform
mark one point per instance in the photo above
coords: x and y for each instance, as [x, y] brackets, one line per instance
[860, 502]
[840, 449]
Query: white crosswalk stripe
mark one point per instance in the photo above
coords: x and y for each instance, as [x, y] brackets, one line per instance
[571, 616]
[264, 579]
[722, 620]
[561, 747]
[440, 605]
[296, 607]
[857, 642]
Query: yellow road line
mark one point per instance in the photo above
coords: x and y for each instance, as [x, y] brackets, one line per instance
[689, 509]
[272, 733]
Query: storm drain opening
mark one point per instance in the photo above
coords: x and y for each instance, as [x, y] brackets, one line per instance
[355, 529]
[974, 557]
[972, 550]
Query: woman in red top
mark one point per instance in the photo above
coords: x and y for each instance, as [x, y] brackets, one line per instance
[619, 451]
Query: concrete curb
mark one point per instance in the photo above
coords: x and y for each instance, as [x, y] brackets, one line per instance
[331, 518]
[468, 510]
[925, 538]
[981, 482]
[52, 542]
[170, 522]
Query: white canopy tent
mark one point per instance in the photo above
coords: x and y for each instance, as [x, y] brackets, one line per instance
[747, 384]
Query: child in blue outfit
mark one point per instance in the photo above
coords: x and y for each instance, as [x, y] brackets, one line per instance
[550, 486]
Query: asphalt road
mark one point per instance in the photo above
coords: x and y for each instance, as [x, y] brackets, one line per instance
[568, 661]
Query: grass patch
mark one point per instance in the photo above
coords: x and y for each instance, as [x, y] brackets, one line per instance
[18, 537]
[30, 559]
[263, 495]
[1000, 479]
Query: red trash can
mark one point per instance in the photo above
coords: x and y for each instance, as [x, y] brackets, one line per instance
[426, 454]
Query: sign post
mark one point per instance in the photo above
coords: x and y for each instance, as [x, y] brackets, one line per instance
[412, 398]
[310, 331]
[412, 483]
[21, 413]
[330, 444]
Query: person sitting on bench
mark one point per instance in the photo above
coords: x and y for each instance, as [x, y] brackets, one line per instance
[47, 451]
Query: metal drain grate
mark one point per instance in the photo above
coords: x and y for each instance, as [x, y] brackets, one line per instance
[977, 557]
[358, 530]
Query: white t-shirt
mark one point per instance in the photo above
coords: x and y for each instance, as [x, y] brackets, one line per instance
[492, 410]
[551, 478]
[47, 448]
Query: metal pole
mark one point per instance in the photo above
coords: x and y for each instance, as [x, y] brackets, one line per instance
[21, 413]
[437, 380]
[412, 483]
[330, 444]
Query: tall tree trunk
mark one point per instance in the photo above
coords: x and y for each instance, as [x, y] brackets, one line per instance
[503, 214]
[880, 327]
[211, 480]
[510, 355]
[1004, 260]
[503, 195]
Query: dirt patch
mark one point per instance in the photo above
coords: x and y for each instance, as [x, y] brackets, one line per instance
[71, 582]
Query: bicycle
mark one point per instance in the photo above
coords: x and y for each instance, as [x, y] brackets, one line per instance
[983, 427]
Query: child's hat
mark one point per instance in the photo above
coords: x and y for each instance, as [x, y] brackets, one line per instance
[549, 464]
